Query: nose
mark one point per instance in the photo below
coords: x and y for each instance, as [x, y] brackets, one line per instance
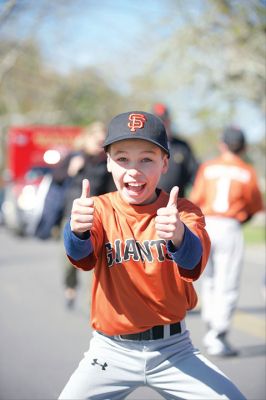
[133, 171]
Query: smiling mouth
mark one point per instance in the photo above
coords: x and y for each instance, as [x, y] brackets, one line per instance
[135, 187]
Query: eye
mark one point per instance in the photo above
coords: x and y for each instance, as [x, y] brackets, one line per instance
[146, 160]
[121, 159]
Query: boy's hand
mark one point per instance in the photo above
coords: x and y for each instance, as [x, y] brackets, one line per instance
[82, 210]
[167, 223]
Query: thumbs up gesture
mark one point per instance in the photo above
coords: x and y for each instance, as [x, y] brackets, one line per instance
[167, 222]
[82, 210]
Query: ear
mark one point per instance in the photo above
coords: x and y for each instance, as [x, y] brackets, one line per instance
[165, 164]
[108, 163]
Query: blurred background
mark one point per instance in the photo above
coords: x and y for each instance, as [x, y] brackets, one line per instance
[70, 62]
[67, 63]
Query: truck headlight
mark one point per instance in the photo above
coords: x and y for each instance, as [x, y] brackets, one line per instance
[27, 198]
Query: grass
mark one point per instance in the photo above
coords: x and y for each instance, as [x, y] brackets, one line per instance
[254, 234]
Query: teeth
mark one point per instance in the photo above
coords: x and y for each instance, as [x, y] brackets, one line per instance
[135, 184]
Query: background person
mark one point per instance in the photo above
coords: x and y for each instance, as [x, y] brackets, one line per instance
[182, 164]
[88, 161]
[227, 191]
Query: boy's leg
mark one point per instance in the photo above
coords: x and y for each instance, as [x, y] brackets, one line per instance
[227, 261]
[108, 371]
[206, 293]
[178, 371]
[70, 283]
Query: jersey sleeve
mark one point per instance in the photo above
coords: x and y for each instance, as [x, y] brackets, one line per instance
[76, 247]
[183, 255]
[193, 218]
[254, 200]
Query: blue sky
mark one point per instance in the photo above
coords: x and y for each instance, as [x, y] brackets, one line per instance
[102, 33]
[93, 32]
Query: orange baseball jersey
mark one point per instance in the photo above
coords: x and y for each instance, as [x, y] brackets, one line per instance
[227, 187]
[136, 284]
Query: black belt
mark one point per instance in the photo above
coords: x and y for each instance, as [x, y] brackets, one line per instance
[156, 332]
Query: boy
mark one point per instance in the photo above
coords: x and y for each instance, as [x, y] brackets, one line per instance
[227, 191]
[146, 247]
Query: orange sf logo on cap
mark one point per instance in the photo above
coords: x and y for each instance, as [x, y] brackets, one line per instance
[136, 121]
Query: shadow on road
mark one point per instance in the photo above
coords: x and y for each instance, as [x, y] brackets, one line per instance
[253, 351]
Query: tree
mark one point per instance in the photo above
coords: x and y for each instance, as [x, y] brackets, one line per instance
[84, 96]
[210, 59]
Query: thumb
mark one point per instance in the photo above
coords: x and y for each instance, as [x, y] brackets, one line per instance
[85, 189]
[173, 197]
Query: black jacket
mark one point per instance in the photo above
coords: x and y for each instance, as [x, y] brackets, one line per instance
[94, 169]
[182, 167]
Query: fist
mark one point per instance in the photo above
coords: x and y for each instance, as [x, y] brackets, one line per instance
[167, 222]
[82, 210]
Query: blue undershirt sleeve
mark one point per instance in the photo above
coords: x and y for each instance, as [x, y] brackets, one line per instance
[77, 248]
[189, 253]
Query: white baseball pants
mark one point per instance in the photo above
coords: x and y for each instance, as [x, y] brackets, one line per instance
[220, 281]
[114, 367]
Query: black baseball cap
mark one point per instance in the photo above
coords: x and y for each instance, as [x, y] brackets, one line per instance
[137, 125]
[234, 138]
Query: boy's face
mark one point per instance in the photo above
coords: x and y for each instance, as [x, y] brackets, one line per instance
[136, 166]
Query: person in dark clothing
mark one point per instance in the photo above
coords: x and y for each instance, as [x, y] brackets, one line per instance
[88, 161]
[182, 164]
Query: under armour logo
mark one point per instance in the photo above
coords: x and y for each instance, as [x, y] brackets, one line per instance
[136, 121]
[95, 361]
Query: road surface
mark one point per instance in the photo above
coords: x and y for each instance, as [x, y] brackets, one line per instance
[41, 342]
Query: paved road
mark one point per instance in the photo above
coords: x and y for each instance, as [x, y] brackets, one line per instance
[41, 342]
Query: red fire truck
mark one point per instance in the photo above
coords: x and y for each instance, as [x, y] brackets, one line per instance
[32, 152]
[37, 146]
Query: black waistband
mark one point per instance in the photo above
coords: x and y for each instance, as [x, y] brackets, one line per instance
[157, 332]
